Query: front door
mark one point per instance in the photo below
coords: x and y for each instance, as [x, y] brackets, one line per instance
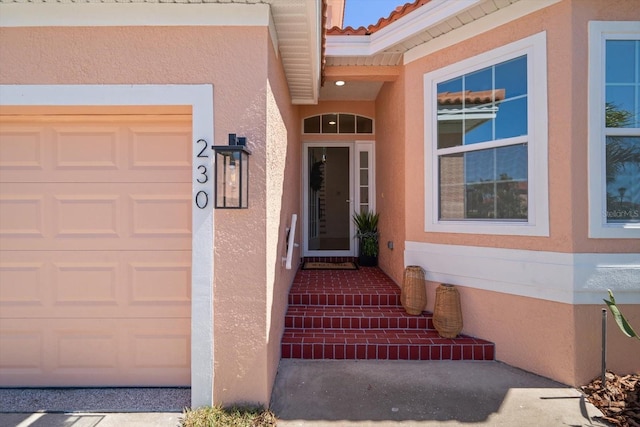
[328, 228]
[338, 180]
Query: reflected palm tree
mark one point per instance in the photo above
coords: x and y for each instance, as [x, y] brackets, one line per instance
[622, 155]
[619, 150]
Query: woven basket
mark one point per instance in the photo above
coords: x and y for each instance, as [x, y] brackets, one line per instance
[414, 294]
[447, 314]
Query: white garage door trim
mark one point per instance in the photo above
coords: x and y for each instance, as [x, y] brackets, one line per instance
[200, 98]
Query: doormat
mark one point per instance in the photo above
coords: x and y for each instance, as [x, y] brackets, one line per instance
[317, 265]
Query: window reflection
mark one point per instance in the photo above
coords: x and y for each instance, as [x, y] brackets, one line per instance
[623, 179]
[622, 110]
[489, 105]
[485, 184]
[485, 105]
[622, 79]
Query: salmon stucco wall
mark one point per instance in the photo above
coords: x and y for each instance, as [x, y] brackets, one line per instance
[234, 60]
[577, 78]
[283, 200]
[623, 353]
[554, 339]
[390, 176]
[567, 113]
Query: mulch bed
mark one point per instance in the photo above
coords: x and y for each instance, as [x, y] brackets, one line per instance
[619, 400]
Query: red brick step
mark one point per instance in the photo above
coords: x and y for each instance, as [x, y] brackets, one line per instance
[382, 344]
[356, 314]
[358, 317]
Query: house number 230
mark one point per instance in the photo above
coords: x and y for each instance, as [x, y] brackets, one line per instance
[202, 176]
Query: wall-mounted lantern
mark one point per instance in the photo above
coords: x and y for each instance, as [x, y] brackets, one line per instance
[232, 174]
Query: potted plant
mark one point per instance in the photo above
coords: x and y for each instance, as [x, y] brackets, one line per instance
[367, 234]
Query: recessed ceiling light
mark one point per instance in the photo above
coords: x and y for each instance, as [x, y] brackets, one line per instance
[340, 83]
[332, 123]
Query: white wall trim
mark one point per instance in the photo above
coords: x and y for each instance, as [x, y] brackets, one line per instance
[503, 16]
[570, 278]
[132, 14]
[599, 32]
[200, 98]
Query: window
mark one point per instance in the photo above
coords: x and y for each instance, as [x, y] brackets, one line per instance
[338, 123]
[614, 129]
[486, 142]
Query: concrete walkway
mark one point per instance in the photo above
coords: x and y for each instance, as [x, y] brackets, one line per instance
[334, 394]
[408, 393]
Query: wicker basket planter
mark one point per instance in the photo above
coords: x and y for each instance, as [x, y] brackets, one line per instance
[414, 294]
[447, 314]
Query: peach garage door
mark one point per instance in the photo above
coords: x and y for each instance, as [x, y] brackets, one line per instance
[95, 249]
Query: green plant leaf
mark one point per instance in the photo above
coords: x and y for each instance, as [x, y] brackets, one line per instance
[623, 324]
[367, 232]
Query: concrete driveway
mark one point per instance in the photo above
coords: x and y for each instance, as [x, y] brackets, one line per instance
[334, 394]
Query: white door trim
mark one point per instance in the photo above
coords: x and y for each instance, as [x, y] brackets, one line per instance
[200, 98]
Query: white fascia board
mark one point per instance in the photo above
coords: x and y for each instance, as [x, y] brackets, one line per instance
[482, 25]
[569, 278]
[433, 13]
[132, 14]
[348, 46]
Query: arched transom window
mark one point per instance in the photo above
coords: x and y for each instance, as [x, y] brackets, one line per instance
[338, 123]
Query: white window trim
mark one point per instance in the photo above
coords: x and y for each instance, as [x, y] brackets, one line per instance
[599, 33]
[535, 47]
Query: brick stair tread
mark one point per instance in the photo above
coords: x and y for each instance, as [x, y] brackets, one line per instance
[359, 311]
[351, 298]
[357, 314]
[378, 344]
[340, 316]
[373, 336]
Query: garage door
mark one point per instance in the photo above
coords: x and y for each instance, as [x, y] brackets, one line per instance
[95, 249]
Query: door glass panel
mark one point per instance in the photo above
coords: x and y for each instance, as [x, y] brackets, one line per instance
[363, 166]
[329, 206]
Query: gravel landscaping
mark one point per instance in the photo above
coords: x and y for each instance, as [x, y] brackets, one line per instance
[94, 399]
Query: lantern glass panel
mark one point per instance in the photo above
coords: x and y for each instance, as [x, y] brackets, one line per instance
[244, 179]
[232, 179]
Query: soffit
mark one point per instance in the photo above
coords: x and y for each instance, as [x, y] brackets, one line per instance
[297, 28]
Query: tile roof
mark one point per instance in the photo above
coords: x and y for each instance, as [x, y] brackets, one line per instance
[398, 13]
[470, 97]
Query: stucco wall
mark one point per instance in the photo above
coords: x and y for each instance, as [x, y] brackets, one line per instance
[283, 189]
[567, 112]
[576, 78]
[235, 61]
[391, 156]
[558, 340]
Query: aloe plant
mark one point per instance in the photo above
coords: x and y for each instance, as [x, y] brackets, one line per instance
[367, 232]
[623, 324]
